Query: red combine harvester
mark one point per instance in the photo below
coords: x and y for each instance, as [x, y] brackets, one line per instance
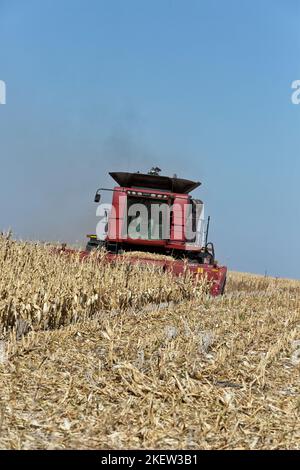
[156, 219]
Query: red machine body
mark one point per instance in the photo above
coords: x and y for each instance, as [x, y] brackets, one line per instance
[176, 239]
[175, 212]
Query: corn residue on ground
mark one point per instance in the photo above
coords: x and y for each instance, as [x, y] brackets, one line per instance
[98, 356]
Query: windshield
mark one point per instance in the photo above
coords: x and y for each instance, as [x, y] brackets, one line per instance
[148, 219]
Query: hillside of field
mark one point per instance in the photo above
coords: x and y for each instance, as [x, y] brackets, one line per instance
[99, 356]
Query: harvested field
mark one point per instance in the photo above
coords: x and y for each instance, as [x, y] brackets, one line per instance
[128, 358]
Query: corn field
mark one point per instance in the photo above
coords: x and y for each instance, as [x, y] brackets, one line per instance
[105, 356]
[47, 289]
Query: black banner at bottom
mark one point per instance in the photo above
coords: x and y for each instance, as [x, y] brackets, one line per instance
[131, 459]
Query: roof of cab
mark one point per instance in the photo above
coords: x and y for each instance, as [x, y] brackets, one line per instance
[165, 183]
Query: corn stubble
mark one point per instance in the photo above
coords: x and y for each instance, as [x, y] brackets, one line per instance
[94, 355]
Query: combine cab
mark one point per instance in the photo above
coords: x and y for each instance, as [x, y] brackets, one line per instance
[156, 219]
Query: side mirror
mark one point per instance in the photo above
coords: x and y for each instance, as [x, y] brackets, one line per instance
[97, 197]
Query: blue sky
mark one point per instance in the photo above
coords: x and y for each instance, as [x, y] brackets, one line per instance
[199, 88]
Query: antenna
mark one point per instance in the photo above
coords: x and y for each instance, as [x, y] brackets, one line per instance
[207, 229]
